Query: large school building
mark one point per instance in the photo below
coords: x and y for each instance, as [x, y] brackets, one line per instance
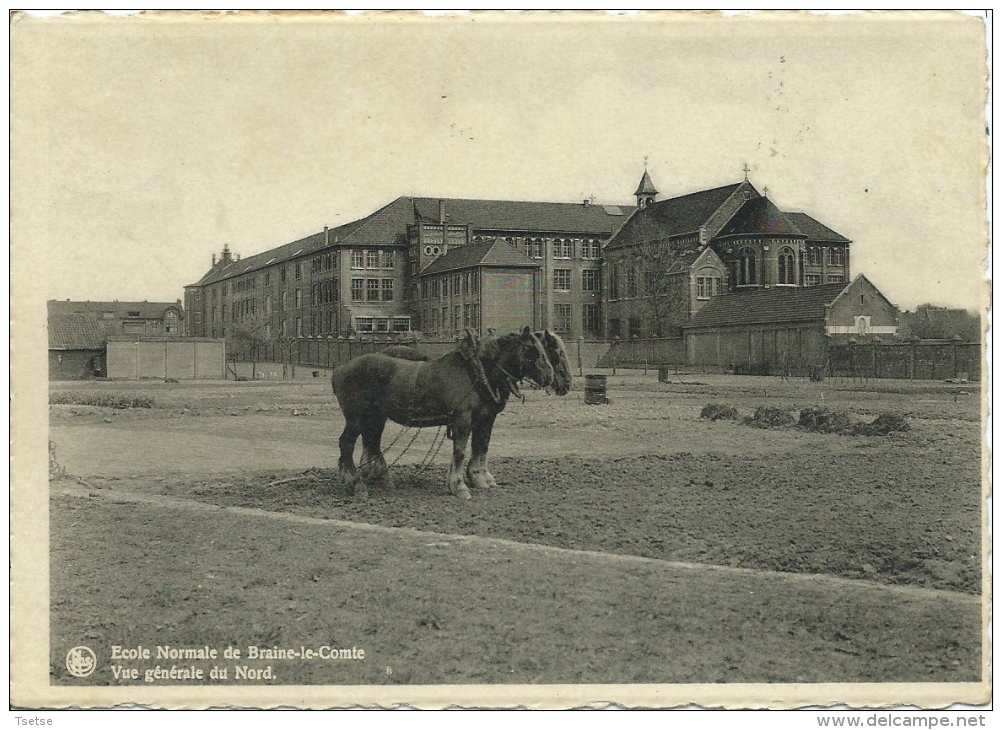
[437, 266]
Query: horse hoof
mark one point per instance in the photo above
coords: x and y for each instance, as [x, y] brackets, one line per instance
[463, 493]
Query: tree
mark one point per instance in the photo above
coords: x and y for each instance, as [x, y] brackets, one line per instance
[249, 336]
[930, 322]
[661, 271]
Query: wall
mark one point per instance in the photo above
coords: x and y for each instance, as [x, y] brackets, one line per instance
[759, 350]
[923, 359]
[647, 352]
[507, 301]
[180, 359]
[75, 364]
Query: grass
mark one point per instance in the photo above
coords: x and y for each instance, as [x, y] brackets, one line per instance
[102, 400]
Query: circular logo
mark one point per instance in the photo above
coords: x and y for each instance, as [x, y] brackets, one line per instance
[80, 661]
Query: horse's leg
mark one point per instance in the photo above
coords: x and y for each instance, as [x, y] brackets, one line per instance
[372, 435]
[480, 478]
[346, 464]
[460, 436]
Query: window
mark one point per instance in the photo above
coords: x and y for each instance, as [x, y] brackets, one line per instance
[589, 319]
[387, 290]
[787, 266]
[836, 256]
[357, 259]
[299, 270]
[466, 283]
[372, 290]
[466, 315]
[401, 324]
[382, 324]
[363, 324]
[591, 249]
[631, 282]
[267, 278]
[283, 301]
[614, 280]
[562, 317]
[835, 278]
[475, 281]
[561, 248]
[388, 259]
[475, 316]
[589, 280]
[424, 289]
[357, 287]
[456, 283]
[813, 256]
[562, 279]
[299, 326]
[315, 265]
[436, 288]
[534, 248]
[615, 328]
[315, 295]
[455, 317]
[746, 267]
[372, 259]
[315, 324]
[812, 279]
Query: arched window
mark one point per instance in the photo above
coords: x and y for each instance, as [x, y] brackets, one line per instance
[787, 266]
[746, 267]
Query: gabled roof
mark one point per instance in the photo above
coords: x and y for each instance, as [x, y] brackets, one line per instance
[509, 215]
[814, 230]
[760, 217]
[118, 310]
[646, 186]
[776, 304]
[673, 217]
[494, 252]
[75, 332]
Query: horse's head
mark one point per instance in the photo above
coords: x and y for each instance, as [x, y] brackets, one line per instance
[531, 359]
[557, 355]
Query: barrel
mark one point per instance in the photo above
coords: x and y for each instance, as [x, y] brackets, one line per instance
[595, 390]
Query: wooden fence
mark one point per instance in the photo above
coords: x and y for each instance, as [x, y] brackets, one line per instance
[910, 359]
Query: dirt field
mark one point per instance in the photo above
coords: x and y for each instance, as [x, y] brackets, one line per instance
[631, 542]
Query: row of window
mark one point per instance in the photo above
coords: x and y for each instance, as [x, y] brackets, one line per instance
[454, 319]
[708, 286]
[373, 258]
[563, 248]
[441, 286]
[836, 256]
[382, 324]
[372, 290]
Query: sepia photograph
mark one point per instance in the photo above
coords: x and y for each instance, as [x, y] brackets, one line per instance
[491, 359]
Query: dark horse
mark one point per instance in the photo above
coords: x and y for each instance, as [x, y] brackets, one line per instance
[463, 390]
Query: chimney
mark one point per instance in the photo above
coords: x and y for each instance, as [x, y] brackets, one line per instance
[213, 259]
[441, 210]
[327, 237]
[227, 257]
[586, 202]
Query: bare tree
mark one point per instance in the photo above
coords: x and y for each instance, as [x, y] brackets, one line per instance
[659, 278]
[250, 336]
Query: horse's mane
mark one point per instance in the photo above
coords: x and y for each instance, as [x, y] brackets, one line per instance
[490, 349]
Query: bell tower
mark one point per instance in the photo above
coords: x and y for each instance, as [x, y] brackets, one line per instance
[646, 192]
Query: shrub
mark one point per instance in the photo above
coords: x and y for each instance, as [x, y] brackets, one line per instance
[769, 417]
[102, 400]
[717, 411]
[823, 420]
[884, 424]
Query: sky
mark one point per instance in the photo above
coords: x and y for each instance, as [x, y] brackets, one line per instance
[143, 145]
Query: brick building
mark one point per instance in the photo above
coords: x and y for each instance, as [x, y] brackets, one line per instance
[584, 270]
[418, 264]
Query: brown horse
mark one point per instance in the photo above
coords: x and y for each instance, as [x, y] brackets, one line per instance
[464, 390]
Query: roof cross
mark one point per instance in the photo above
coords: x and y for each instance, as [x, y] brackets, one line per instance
[747, 170]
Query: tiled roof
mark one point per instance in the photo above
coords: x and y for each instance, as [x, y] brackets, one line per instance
[646, 186]
[759, 216]
[814, 230]
[758, 306]
[494, 252]
[119, 310]
[75, 332]
[509, 215]
[387, 226]
[673, 217]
